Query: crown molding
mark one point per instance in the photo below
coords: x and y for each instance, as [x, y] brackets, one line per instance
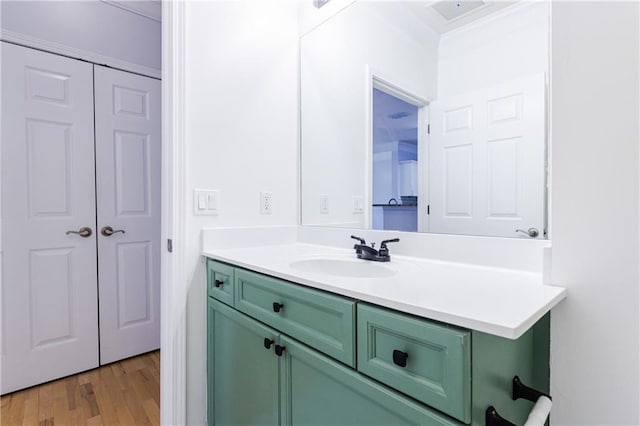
[151, 9]
[72, 52]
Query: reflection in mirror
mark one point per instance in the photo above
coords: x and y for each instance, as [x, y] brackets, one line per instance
[426, 117]
[395, 163]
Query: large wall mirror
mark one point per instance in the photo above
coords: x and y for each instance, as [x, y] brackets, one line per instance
[428, 117]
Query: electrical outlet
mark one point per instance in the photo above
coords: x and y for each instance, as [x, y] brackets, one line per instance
[324, 204]
[266, 202]
[358, 204]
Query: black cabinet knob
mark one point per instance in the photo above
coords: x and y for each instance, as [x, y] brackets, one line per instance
[277, 307]
[400, 358]
[218, 283]
[280, 350]
[268, 342]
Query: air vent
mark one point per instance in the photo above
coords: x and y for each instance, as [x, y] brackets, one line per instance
[319, 3]
[398, 115]
[451, 10]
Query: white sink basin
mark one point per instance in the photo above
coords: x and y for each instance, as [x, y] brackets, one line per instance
[355, 268]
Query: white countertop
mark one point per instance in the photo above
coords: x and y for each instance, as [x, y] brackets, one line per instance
[502, 302]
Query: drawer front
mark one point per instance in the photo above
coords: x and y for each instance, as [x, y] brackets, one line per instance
[318, 319]
[427, 361]
[220, 281]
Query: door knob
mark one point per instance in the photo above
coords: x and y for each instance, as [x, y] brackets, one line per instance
[84, 232]
[531, 232]
[108, 231]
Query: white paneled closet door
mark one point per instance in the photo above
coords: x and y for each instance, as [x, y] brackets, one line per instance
[49, 289]
[487, 160]
[128, 150]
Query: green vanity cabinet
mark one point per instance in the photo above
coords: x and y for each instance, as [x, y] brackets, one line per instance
[280, 381]
[324, 359]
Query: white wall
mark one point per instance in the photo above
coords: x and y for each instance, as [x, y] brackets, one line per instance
[334, 60]
[241, 121]
[310, 17]
[504, 46]
[90, 26]
[595, 184]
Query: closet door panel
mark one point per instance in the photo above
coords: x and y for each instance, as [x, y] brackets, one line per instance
[128, 192]
[49, 288]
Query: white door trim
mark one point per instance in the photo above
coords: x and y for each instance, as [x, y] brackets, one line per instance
[173, 294]
[375, 79]
[75, 53]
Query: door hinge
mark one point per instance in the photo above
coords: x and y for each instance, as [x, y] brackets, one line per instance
[170, 245]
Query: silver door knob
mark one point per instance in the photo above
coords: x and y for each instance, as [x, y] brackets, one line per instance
[531, 232]
[84, 232]
[108, 231]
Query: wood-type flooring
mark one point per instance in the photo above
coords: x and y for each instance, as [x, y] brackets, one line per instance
[125, 393]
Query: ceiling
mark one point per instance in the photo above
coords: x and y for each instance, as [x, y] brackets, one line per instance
[393, 118]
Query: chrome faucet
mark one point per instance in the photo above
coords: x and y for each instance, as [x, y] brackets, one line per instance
[363, 251]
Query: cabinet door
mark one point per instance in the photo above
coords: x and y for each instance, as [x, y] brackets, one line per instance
[319, 391]
[243, 375]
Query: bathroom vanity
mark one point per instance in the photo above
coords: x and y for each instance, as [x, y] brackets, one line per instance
[304, 334]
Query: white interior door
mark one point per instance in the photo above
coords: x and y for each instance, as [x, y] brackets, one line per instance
[128, 191]
[49, 290]
[487, 160]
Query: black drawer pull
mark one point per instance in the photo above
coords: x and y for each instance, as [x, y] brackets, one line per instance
[218, 283]
[280, 350]
[277, 307]
[268, 342]
[400, 358]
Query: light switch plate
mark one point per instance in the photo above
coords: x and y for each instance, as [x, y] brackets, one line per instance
[358, 204]
[324, 204]
[206, 202]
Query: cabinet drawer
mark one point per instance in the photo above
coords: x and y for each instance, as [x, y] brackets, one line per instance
[220, 281]
[437, 366]
[320, 320]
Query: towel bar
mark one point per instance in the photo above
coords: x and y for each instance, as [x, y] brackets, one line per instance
[519, 390]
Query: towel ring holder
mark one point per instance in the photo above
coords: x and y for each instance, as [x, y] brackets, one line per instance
[519, 390]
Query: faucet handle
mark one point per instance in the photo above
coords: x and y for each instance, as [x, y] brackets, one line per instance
[384, 251]
[383, 244]
[362, 241]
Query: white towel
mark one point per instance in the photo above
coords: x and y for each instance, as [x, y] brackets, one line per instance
[539, 413]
